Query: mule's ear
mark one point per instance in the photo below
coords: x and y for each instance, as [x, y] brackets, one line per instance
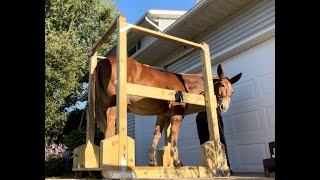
[220, 71]
[235, 78]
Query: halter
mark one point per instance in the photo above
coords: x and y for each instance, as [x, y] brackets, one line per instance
[219, 95]
[223, 96]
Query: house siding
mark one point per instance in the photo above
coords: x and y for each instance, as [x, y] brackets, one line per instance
[250, 22]
[164, 23]
[131, 125]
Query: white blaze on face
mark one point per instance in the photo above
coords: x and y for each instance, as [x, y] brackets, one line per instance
[223, 103]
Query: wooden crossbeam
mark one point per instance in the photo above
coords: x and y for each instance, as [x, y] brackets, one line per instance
[158, 93]
[164, 94]
[186, 54]
[104, 37]
[101, 57]
[160, 35]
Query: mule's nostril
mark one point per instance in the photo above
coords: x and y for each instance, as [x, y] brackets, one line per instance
[221, 106]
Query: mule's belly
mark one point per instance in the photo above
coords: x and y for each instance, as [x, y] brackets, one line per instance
[146, 106]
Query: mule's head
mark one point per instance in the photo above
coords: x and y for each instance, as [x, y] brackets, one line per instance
[223, 89]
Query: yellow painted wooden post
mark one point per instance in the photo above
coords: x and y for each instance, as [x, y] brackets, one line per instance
[91, 121]
[209, 150]
[213, 154]
[211, 103]
[122, 92]
[87, 155]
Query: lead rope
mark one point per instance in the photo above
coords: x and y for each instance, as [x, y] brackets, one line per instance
[79, 128]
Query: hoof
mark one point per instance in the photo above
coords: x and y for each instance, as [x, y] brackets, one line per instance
[177, 163]
[152, 163]
[226, 173]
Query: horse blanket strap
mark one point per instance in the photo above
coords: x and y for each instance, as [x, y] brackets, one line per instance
[179, 97]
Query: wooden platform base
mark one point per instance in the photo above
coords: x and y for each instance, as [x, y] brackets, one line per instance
[86, 156]
[156, 172]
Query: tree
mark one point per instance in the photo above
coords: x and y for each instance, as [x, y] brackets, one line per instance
[72, 136]
[72, 27]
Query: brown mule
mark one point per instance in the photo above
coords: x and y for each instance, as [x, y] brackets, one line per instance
[104, 97]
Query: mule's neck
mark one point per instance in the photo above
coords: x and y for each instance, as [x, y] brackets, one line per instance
[194, 83]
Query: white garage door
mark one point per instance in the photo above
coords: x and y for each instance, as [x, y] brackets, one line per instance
[249, 123]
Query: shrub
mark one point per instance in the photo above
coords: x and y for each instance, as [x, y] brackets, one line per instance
[57, 158]
[77, 138]
[56, 166]
[54, 149]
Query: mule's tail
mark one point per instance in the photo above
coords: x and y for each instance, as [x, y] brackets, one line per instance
[99, 94]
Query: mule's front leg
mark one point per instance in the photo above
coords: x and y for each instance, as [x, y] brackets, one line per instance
[176, 119]
[157, 135]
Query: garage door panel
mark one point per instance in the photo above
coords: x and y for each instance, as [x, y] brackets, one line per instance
[251, 154]
[261, 56]
[184, 144]
[248, 121]
[145, 161]
[228, 125]
[149, 123]
[263, 135]
[230, 140]
[250, 105]
[243, 91]
[161, 142]
[189, 119]
[231, 154]
[270, 115]
[249, 168]
[188, 132]
[147, 140]
[267, 84]
[250, 157]
[188, 138]
[192, 156]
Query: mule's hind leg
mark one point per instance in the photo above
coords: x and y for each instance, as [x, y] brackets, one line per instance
[157, 135]
[111, 122]
[176, 119]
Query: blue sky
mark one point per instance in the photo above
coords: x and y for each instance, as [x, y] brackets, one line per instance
[134, 9]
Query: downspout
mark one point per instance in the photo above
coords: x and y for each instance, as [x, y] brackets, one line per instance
[152, 23]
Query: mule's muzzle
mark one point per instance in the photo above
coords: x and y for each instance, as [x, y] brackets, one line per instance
[222, 106]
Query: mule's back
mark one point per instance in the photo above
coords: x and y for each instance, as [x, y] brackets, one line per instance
[137, 73]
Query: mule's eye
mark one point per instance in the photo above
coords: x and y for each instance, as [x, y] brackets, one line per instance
[222, 85]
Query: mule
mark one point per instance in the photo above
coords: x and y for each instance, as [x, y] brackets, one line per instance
[104, 97]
